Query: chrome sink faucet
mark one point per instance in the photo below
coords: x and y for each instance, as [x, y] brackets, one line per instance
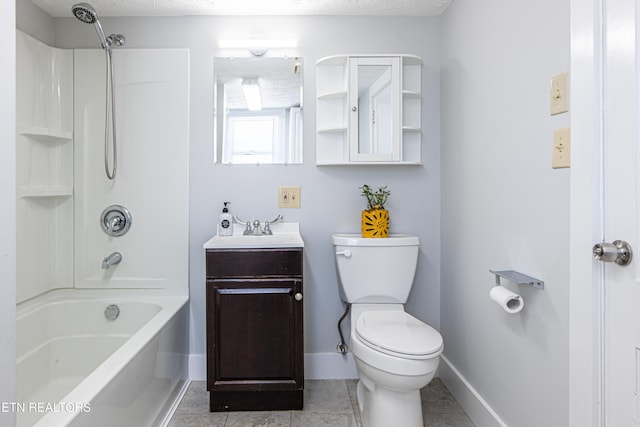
[256, 229]
[111, 259]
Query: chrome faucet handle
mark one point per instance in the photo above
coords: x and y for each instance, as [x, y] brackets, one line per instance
[116, 223]
[248, 229]
[267, 229]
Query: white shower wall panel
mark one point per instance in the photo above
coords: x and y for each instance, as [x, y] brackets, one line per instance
[152, 118]
[44, 167]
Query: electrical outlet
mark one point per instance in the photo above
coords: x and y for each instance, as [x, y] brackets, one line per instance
[289, 197]
[559, 97]
[561, 148]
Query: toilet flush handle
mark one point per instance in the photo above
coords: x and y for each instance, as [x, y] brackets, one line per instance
[346, 253]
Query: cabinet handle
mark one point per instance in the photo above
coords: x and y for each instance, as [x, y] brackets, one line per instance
[298, 296]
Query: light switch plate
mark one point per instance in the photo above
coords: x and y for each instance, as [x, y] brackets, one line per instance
[559, 95]
[289, 197]
[561, 148]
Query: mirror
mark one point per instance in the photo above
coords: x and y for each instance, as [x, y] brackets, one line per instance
[258, 110]
[375, 108]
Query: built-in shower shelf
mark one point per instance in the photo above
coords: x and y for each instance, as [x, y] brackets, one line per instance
[44, 134]
[53, 191]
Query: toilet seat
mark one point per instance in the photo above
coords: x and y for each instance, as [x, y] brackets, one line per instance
[398, 334]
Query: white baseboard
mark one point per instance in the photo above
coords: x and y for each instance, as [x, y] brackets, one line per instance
[198, 367]
[329, 366]
[473, 404]
[317, 366]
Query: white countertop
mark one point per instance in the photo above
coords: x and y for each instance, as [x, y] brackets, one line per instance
[285, 235]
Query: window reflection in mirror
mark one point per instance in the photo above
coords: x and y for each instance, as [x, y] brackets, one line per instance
[270, 132]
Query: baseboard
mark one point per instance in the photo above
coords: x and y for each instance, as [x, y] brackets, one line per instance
[317, 366]
[329, 366]
[198, 367]
[473, 404]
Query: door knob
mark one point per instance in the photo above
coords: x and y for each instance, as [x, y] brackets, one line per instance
[619, 252]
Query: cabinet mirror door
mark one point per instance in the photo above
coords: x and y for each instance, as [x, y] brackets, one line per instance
[374, 112]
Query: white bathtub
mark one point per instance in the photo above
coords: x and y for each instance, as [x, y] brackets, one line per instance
[76, 368]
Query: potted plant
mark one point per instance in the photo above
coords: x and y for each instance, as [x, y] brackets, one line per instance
[375, 219]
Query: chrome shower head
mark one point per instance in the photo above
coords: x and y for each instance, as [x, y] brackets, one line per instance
[85, 12]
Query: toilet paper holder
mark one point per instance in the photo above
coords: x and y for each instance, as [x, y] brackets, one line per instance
[519, 278]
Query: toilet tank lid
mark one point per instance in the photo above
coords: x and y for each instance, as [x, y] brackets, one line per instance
[354, 239]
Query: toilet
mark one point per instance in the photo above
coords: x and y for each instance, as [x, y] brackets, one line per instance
[396, 354]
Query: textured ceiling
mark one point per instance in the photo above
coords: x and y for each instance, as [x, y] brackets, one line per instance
[62, 8]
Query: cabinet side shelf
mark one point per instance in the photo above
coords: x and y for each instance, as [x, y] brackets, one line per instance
[333, 95]
[410, 94]
[411, 129]
[348, 163]
[338, 129]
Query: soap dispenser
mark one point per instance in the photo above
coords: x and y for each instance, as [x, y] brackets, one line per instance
[225, 223]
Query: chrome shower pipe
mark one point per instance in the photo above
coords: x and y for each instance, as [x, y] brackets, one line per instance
[87, 14]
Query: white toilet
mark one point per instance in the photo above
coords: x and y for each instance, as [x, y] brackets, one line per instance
[396, 354]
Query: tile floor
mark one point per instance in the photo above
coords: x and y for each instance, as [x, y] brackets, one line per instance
[327, 403]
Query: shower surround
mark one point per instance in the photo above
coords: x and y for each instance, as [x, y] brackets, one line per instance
[62, 190]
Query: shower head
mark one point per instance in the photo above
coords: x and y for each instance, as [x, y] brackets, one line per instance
[87, 14]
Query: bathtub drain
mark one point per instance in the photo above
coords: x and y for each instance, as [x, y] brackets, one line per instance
[112, 312]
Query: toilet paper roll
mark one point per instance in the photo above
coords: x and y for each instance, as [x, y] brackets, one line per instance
[508, 300]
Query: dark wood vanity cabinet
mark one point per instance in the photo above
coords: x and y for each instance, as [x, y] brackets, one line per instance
[255, 353]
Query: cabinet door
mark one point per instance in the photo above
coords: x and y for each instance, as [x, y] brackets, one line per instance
[374, 109]
[255, 328]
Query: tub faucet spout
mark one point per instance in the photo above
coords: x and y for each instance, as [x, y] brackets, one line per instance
[111, 259]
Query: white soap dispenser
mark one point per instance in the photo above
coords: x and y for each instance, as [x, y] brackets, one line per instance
[225, 223]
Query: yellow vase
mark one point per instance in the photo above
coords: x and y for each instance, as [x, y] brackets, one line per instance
[375, 223]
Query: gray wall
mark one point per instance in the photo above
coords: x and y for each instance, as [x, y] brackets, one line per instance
[331, 200]
[503, 207]
[33, 21]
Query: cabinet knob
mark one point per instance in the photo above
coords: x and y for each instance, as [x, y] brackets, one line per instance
[354, 108]
[298, 296]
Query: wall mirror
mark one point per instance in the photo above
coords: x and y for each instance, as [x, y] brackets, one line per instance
[375, 109]
[258, 110]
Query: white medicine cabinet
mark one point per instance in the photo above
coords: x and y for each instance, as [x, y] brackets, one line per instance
[368, 110]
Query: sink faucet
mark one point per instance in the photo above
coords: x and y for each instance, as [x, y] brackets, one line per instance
[256, 228]
[111, 259]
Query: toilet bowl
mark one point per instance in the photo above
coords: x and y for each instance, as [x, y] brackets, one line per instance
[396, 354]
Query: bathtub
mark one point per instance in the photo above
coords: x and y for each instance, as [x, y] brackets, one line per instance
[77, 368]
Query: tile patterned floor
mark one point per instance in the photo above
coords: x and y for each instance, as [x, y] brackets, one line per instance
[327, 403]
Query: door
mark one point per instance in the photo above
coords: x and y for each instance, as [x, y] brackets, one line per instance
[621, 284]
[374, 112]
[256, 336]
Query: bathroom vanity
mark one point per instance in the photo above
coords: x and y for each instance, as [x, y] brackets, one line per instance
[255, 353]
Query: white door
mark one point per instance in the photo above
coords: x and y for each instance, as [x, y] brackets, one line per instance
[621, 292]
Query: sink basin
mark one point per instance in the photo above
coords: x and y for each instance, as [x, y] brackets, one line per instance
[285, 235]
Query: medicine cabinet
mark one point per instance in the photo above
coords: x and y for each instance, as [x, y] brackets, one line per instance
[368, 110]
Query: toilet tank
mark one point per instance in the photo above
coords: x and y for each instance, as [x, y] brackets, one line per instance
[375, 270]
